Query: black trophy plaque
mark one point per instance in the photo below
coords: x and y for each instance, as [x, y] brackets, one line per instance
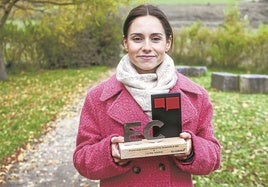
[167, 109]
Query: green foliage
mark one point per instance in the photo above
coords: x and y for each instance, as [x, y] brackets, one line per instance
[30, 100]
[93, 47]
[232, 45]
[86, 40]
[65, 36]
[17, 44]
[191, 45]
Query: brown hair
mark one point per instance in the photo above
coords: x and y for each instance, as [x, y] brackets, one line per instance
[144, 10]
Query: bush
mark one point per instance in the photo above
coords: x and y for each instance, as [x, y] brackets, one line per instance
[85, 42]
[93, 45]
[18, 45]
[99, 45]
[65, 37]
[232, 45]
[191, 46]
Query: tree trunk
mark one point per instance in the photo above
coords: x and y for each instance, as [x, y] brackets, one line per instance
[3, 73]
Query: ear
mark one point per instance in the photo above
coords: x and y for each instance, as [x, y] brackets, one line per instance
[168, 44]
[124, 42]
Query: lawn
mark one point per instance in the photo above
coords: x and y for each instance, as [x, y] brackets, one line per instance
[30, 100]
[240, 122]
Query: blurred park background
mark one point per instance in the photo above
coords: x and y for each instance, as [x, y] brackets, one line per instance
[51, 51]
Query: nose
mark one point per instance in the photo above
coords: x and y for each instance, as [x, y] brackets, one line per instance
[147, 47]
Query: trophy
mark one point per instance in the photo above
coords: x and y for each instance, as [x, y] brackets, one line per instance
[161, 134]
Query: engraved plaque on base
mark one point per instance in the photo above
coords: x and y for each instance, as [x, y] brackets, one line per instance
[156, 147]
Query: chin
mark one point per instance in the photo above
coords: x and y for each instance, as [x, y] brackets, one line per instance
[148, 70]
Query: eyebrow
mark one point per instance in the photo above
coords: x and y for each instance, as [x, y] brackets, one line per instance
[150, 34]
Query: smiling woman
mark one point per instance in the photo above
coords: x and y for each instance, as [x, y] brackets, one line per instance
[125, 98]
[146, 43]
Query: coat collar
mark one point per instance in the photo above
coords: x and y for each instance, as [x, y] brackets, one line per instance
[185, 84]
[124, 109]
[113, 87]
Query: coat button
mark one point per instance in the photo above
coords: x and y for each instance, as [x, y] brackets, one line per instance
[136, 169]
[162, 167]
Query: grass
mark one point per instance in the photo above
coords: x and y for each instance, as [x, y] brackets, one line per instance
[191, 1]
[240, 122]
[29, 101]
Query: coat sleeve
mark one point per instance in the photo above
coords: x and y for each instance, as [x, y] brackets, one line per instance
[205, 146]
[92, 157]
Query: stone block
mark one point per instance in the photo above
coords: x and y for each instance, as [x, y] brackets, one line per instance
[225, 81]
[192, 71]
[253, 83]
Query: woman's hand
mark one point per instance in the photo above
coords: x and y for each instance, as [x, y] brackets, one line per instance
[188, 138]
[115, 150]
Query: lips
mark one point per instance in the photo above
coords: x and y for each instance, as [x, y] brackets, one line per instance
[146, 57]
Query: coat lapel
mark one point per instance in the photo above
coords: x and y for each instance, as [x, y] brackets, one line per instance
[185, 86]
[121, 106]
[125, 110]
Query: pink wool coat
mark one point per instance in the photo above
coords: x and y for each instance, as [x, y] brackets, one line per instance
[109, 105]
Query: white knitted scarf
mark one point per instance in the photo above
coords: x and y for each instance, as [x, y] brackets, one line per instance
[141, 86]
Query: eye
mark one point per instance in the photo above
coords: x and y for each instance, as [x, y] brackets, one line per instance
[156, 38]
[137, 39]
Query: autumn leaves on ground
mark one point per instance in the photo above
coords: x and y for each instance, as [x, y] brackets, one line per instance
[30, 100]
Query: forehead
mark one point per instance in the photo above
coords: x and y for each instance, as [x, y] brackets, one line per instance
[146, 25]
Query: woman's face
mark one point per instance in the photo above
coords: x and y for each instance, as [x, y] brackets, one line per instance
[146, 43]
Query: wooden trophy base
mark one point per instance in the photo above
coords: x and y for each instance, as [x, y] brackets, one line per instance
[156, 147]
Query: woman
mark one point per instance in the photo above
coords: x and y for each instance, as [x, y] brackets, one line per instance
[125, 97]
